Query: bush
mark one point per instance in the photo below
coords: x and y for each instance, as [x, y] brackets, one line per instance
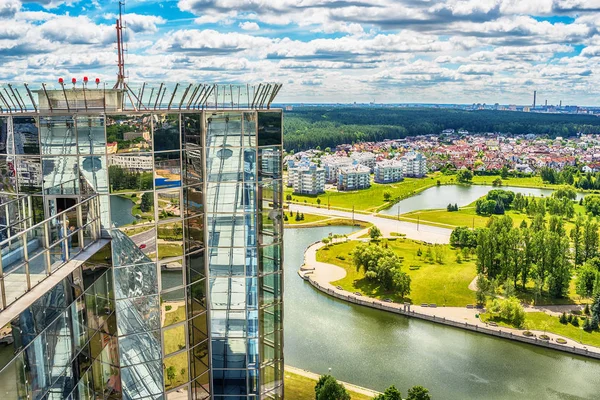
[528, 333]
[509, 310]
[563, 318]
[586, 310]
[575, 321]
[168, 308]
[570, 318]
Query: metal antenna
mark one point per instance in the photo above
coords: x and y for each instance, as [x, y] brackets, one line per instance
[120, 49]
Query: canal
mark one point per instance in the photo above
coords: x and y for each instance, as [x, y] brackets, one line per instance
[439, 197]
[375, 349]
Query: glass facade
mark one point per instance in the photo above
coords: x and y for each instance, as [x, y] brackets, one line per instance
[192, 204]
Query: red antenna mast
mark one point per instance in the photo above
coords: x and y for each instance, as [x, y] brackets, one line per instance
[121, 49]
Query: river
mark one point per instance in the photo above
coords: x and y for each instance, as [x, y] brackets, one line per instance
[375, 349]
[439, 197]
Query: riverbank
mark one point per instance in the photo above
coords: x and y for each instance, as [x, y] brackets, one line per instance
[317, 221]
[300, 385]
[320, 275]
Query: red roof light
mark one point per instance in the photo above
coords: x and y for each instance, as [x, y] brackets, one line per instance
[97, 81]
[85, 79]
[60, 80]
[74, 80]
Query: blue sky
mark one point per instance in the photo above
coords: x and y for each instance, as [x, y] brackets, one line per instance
[447, 51]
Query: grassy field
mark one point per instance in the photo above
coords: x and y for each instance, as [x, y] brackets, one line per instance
[298, 387]
[371, 200]
[442, 284]
[540, 321]
[308, 219]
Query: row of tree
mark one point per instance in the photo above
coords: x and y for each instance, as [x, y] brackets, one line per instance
[328, 388]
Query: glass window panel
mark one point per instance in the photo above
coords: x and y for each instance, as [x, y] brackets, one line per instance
[270, 259]
[270, 193]
[169, 204]
[192, 129]
[225, 197]
[29, 174]
[8, 174]
[201, 353]
[270, 319]
[138, 315]
[143, 380]
[195, 266]
[60, 175]
[132, 209]
[223, 129]
[171, 274]
[270, 163]
[270, 289]
[57, 135]
[170, 240]
[197, 298]
[201, 388]
[249, 164]
[166, 132]
[194, 233]
[133, 245]
[174, 339]
[228, 353]
[90, 135]
[26, 135]
[227, 294]
[167, 172]
[226, 261]
[249, 129]
[130, 172]
[269, 128]
[94, 173]
[12, 386]
[224, 164]
[181, 393]
[140, 348]
[198, 330]
[176, 370]
[135, 281]
[129, 133]
[6, 144]
[38, 268]
[172, 305]
[193, 166]
[192, 201]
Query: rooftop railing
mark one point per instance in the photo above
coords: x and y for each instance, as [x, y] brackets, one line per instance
[29, 256]
[102, 97]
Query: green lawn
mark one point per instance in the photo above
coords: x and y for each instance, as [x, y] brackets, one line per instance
[298, 387]
[308, 219]
[540, 321]
[532, 182]
[446, 283]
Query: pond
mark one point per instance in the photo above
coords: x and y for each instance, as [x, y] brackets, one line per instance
[440, 196]
[375, 349]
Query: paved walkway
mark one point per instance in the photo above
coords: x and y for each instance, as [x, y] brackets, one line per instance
[425, 233]
[323, 274]
[349, 386]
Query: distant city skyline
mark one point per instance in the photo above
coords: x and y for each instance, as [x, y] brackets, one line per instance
[323, 51]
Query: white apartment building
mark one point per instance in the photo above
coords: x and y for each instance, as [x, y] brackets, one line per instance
[332, 165]
[133, 162]
[306, 178]
[414, 165]
[366, 158]
[389, 171]
[354, 177]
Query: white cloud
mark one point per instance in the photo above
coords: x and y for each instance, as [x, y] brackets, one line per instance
[249, 26]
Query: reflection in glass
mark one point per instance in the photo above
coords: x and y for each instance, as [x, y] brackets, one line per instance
[129, 133]
[192, 165]
[170, 240]
[192, 129]
[60, 175]
[130, 172]
[90, 135]
[192, 200]
[269, 128]
[29, 174]
[132, 209]
[167, 173]
[93, 170]
[57, 135]
[26, 135]
[7, 174]
[166, 132]
[224, 129]
[174, 339]
[168, 203]
[176, 370]
[173, 307]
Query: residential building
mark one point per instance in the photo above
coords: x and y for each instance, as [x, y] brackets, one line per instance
[332, 165]
[389, 171]
[154, 274]
[365, 158]
[414, 165]
[306, 178]
[354, 177]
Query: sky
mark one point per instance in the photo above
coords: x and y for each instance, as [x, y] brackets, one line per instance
[386, 51]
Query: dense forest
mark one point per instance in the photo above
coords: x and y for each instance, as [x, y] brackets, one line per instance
[309, 127]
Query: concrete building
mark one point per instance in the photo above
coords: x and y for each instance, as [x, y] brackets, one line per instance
[306, 178]
[414, 165]
[332, 165]
[389, 171]
[354, 177]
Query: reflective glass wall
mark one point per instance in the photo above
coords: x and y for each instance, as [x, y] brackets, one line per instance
[198, 312]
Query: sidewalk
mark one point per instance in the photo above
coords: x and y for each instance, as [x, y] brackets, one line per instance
[349, 386]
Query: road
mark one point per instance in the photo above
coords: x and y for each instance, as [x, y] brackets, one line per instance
[425, 233]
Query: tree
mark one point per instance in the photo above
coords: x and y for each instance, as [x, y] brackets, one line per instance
[390, 393]
[592, 204]
[146, 204]
[595, 312]
[318, 201]
[401, 283]
[590, 239]
[418, 393]
[387, 195]
[485, 207]
[509, 310]
[374, 233]
[464, 176]
[328, 388]
[504, 172]
[171, 373]
[577, 238]
[586, 277]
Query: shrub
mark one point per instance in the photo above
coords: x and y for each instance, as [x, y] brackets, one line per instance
[168, 308]
[575, 321]
[586, 310]
[563, 318]
[528, 333]
[570, 318]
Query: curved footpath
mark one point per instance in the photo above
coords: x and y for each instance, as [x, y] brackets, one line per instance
[349, 386]
[320, 275]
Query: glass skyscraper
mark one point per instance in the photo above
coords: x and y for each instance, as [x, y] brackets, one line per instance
[141, 238]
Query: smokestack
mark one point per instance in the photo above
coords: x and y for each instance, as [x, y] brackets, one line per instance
[534, 97]
[560, 104]
[546, 103]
